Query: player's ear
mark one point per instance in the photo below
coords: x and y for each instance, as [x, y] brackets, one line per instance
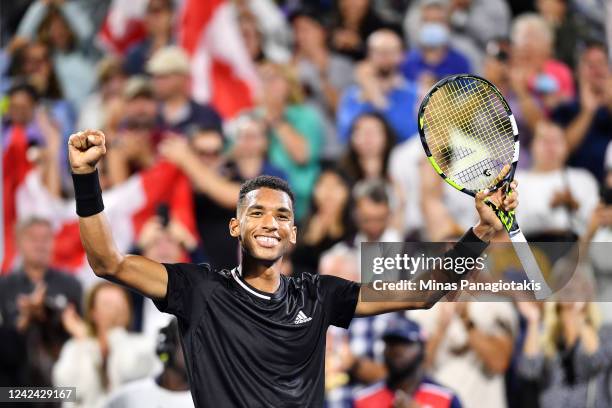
[293, 236]
[234, 228]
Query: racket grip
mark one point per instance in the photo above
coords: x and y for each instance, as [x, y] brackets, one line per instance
[532, 270]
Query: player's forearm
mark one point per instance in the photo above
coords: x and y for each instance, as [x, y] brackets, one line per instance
[470, 245]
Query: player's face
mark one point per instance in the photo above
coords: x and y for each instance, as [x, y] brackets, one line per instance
[264, 224]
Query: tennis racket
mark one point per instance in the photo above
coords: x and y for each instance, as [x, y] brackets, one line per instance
[470, 135]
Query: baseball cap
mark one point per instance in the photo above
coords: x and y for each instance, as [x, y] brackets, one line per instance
[137, 86]
[403, 329]
[169, 60]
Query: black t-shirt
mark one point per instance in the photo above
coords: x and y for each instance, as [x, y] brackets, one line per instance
[247, 348]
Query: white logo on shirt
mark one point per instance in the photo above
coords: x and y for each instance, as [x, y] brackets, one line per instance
[302, 318]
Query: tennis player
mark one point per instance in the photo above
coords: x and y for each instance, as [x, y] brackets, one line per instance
[252, 337]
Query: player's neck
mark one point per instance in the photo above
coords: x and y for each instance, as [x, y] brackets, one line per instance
[261, 275]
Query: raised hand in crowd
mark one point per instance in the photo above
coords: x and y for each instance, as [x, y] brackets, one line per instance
[31, 307]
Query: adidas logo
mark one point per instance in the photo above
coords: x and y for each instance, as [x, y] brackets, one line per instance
[302, 318]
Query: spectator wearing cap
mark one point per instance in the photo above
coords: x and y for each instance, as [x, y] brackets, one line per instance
[434, 57]
[588, 119]
[406, 384]
[111, 79]
[170, 68]
[31, 300]
[67, 30]
[158, 24]
[380, 88]
[323, 73]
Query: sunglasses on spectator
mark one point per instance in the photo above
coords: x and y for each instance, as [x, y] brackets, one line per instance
[138, 125]
[205, 153]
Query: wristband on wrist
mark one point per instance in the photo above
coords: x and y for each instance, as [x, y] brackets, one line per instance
[88, 194]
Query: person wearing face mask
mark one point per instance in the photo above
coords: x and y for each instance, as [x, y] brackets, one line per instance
[434, 57]
[380, 87]
[406, 384]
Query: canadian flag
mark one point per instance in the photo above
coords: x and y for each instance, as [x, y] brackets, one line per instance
[222, 71]
[128, 206]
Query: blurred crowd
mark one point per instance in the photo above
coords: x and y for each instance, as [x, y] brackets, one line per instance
[340, 83]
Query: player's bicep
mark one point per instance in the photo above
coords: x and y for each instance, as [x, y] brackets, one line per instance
[143, 275]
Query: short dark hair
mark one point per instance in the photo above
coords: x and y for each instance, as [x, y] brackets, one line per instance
[374, 190]
[272, 182]
[23, 86]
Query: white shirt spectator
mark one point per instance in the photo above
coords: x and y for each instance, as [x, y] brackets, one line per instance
[404, 169]
[464, 372]
[131, 357]
[147, 393]
[537, 190]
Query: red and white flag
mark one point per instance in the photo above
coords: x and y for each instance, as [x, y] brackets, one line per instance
[223, 74]
[123, 25]
[128, 206]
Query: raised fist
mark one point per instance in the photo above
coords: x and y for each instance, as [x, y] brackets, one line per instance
[85, 149]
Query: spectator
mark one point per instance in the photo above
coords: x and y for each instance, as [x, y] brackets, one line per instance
[323, 73]
[567, 28]
[480, 20]
[434, 57]
[570, 359]
[380, 88]
[469, 348]
[354, 22]
[526, 108]
[33, 64]
[588, 119]
[102, 355]
[164, 240]
[452, 14]
[328, 222]
[66, 29]
[275, 34]
[295, 134]
[248, 155]
[566, 195]
[170, 69]
[133, 147]
[31, 299]
[353, 358]
[367, 158]
[215, 190]
[535, 69]
[111, 80]
[251, 36]
[170, 389]
[158, 24]
[406, 383]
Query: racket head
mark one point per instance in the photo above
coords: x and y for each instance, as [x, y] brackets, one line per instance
[468, 133]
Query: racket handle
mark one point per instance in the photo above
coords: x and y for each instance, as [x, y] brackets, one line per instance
[530, 265]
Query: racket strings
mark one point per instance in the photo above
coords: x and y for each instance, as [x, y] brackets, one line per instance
[471, 111]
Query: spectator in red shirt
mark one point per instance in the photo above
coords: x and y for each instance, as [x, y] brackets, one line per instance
[406, 384]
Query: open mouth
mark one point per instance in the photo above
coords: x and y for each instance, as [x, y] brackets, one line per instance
[267, 241]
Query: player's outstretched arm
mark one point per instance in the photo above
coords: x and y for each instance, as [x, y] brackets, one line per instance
[150, 278]
[488, 225]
